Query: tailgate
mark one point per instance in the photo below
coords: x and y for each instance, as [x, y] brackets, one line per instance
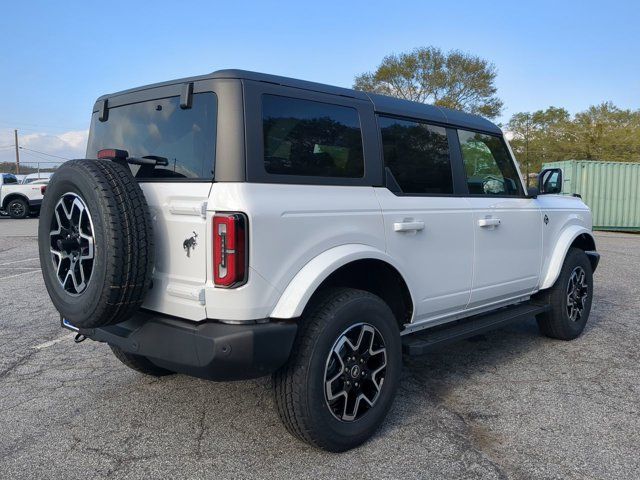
[180, 236]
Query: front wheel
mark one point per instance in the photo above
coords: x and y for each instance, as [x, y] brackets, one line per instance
[343, 372]
[569, 298]
[18, 208]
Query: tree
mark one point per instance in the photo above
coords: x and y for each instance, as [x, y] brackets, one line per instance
[606, 132]
[453, 79]
[539, 137]
[602, 132]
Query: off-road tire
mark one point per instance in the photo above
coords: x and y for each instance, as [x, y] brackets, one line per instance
[123, 237]
[139, 363]
[23, 208]
[299, 385]
[556, 322]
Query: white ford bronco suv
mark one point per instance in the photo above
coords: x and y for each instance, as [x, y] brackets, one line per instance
[19, 200]
[239, 224]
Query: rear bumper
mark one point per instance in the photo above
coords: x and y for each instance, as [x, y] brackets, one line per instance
[210, 350]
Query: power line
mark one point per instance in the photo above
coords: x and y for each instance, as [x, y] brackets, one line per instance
[38, 159]
[39, 125]
[41, 158]
[44, 153]
[38, 155]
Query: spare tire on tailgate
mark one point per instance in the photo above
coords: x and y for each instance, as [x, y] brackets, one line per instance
[96, 242]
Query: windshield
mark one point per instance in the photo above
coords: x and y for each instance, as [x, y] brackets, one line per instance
[185, 137]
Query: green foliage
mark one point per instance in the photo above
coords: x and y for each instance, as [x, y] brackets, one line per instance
[602, 132]
[453, 79]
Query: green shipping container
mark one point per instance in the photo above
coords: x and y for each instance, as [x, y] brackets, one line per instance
[611, 189]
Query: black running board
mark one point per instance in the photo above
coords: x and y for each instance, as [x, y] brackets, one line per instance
[424, 341]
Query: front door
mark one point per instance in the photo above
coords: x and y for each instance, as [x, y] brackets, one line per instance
[507, 225]
[428, 229]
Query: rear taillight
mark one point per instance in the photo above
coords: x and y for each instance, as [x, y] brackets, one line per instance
[230, 249]
[43, 189]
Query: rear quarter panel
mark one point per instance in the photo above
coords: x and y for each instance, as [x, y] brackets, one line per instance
[289, 225]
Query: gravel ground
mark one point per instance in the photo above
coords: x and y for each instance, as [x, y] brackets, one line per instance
[509, 404]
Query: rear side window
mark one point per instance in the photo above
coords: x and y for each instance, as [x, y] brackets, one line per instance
[418, 156]
[488, 165]
[184, 137]
[308, 138]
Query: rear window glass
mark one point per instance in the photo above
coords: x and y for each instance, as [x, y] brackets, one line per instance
[185, 137]
[303, 137]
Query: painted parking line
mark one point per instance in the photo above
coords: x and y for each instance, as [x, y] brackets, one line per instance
[19, 274]
[19, 268]
[19, 261]
[50, 343]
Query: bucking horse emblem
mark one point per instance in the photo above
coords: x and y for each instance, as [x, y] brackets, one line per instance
[190, 243]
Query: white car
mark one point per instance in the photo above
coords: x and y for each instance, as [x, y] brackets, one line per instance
[20, 201]
[34, 177]
[239, 224]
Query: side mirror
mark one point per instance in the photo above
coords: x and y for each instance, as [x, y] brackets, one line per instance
[533, 192]
[550, 181]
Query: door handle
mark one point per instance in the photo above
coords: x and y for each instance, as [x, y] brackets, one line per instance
[408, 226]
[489, 222]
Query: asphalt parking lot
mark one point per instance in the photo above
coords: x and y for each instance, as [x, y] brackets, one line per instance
[509, 404]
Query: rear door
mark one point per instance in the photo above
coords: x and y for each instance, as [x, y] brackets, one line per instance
[183, 134]
[428, 228]
[507, 225]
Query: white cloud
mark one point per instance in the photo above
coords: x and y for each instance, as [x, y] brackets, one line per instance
[69, 145]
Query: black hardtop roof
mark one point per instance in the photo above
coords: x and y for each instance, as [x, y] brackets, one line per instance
[381, 103]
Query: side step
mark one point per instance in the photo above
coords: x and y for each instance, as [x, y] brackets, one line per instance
[424, 341]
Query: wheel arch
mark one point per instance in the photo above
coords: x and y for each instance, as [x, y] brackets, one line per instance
[355, 266]
[573, 236]
[13, 196]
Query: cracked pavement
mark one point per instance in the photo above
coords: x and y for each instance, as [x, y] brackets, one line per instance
[508, 404]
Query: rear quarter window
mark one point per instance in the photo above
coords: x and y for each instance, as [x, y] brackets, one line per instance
[310, 138]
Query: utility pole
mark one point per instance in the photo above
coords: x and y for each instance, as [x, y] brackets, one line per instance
[526, 149]
[15, 134]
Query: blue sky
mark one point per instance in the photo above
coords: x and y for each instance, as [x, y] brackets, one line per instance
[57, 57]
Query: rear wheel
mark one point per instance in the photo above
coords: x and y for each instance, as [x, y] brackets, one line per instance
[569, 298]
[139, 363]
[18, 208]
[343, 372]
